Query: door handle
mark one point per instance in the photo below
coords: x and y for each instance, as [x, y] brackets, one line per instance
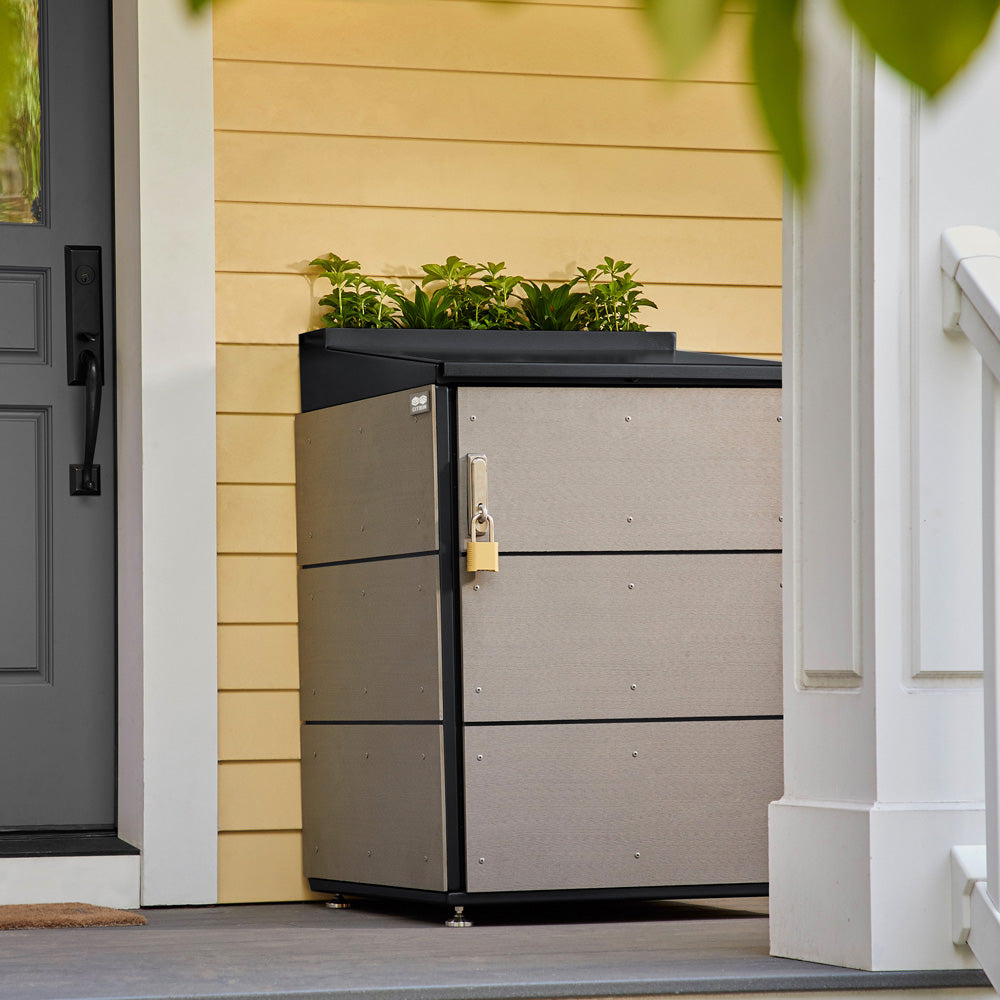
[85, 480]
[478, 494]
[85, 356]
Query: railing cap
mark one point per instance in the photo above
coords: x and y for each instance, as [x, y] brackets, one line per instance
[959, 243]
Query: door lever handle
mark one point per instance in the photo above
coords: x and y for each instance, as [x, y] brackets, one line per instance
[85, 480]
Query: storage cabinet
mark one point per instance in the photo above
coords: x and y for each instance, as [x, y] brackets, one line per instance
[603, 715]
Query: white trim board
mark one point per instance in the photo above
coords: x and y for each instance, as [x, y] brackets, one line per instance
[165, 259]
[165, 323]
[101, 881]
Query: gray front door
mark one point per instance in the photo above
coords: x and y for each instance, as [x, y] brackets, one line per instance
[57, 550]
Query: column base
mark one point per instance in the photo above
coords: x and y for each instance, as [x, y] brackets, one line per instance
[867, 886]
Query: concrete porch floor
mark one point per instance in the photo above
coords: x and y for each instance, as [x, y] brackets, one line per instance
[380, 952]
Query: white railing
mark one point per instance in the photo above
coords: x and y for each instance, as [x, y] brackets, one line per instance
[970, 260]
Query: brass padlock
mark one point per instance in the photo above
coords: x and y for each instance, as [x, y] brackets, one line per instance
[480, 556]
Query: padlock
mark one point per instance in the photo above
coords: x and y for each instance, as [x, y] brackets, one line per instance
[483, 557]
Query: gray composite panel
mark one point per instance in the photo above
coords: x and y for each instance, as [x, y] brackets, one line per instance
[607, 468]
[366, 477]
[623, 636]
[590, 805]
[373, 804]
[370, 640]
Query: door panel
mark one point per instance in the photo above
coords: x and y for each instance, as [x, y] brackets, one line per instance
[617, 469]
[57, 552]
[370, 640]
[25, 584]
[623, 636]
[373, 804]
[367, 479]
[23, 329]
[632, 804]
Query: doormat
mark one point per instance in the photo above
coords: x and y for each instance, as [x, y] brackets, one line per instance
[29, 915]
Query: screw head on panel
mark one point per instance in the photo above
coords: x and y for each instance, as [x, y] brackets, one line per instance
[479, 690]
[779, 420]
[637, 854]
[628, 420]
[628, 520]
[635, 753]
[479, 756]
[631, 586]
[475, 586]
[482, 861]
[472, 417]
[633, 686]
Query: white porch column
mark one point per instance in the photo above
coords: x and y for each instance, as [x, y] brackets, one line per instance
[883, 600]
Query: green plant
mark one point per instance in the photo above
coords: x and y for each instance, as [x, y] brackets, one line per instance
[355, 299]
[426, 312]
[613, 297]
[482, 297]
[555, 308]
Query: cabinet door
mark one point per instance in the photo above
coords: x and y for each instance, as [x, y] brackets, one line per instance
[370, 640]
[590, 806]
[623, 636]
[366, 475]
[625, 469]
[373, 804]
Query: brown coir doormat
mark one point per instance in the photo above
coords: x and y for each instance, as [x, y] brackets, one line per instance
[29, 915]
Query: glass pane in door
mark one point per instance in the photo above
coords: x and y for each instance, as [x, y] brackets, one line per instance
[20, 113]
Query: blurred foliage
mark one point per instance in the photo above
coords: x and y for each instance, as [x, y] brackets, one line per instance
[926, 41]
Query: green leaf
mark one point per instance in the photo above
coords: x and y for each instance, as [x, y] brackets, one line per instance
[683, 28]
[928, 41]
[776, 52]
[196, 6]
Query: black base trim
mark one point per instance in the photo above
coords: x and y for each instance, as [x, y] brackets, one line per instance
[722, 891]
[62, 845]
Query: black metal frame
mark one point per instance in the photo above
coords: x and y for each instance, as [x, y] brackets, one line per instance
[459, 898]
[341, 366]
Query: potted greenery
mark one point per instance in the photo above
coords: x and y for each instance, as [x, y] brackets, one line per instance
[457, 295]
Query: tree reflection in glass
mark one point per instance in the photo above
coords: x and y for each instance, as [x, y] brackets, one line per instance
[20, 115]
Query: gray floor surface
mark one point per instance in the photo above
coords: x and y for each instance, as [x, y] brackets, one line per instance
[382, 952]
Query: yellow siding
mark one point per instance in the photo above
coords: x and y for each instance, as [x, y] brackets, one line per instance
[258, 657]
[398, 132]
[256, 519]
[257, 589]
[255, 449]
[258, 725]
[262, 867]
[259, 796]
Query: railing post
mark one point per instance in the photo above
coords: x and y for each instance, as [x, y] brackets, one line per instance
[991, 592]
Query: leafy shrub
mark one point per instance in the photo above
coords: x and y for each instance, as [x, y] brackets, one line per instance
[482, 297]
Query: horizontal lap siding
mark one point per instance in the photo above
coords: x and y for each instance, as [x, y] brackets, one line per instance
[398, 132]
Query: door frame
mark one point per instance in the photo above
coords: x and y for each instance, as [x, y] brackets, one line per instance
[167, 621]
